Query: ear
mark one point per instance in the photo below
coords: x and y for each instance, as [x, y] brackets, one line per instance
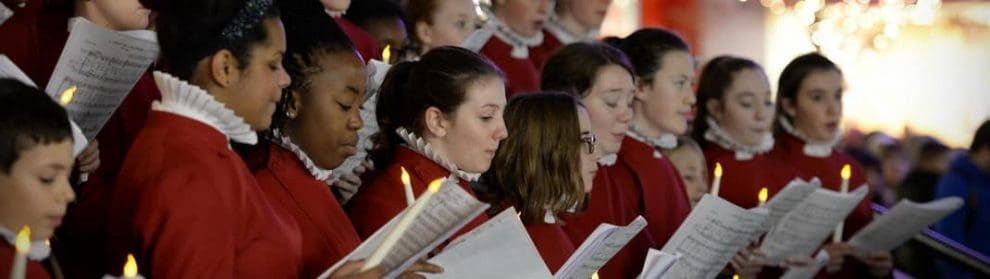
[714, 107]
[424, 32]
[436, 122]
[224, 68]
[292, 109]
[641, 88]
[789, 106]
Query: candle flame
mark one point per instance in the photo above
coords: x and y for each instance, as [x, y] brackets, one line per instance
[435, 185]
[846, 172]
[594, 275]
[23, 243]
[718, 169]
[48, 243]
[763, 195]
[405, 176]
[736, 276]
[130, 268]
[67, 95]
[387, 53]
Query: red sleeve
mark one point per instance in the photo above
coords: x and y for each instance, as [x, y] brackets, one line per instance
[378, 202]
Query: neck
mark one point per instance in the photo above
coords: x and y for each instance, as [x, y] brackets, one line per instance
[642, 122]
[981, 159]
[572, 25]
[86, 10]
[504, 18]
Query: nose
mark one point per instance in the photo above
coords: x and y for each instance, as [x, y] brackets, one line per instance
[65, 193]
[834, 108]
[501, 132]
[689, 98]
[354, 120]
[544, 7]
[283, 78]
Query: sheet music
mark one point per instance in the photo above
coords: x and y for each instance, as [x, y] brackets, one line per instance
[104, 65]
[809, 271]
[448, 211]
[713, 232]
[802, 230]
[501, 248]
[788, 198]
[10, 70]
[903, 221]
[5, 13]
[598, 248]
[657, 263]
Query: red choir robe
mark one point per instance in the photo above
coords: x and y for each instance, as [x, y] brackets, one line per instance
[187, 206]
[541, 53]
[790, 149]
[606, 204]
[34, 269]
[84, 226]
[552, 243]
[382, 199]
[33, 38]
[653, 187]
[362, 40]
[327, 233]
[743, 179]
[522, 75]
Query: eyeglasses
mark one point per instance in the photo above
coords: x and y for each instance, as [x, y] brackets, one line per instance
[589, 140]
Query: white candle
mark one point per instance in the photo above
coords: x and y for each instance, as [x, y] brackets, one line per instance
[23, 246]
[400, 228]
[410, 197]
[845, 173]
[718, 179]
[762, 196]
[130, 270]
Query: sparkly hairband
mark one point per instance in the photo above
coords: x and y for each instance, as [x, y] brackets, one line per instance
[246, 19]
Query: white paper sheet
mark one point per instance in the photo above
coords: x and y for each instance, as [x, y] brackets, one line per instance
[788, 198]
[501, 248]
[448, 211]
[802, 230]
[104, 65]
[5, 13]
[657, 263]
[900, 223]
[598, 248]
[809, 271]
[713, 232]
[10, 70]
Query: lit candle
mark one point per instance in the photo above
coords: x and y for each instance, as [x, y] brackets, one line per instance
[717, 180]
[131, 268]
[762, 196]
[67, 95]
[594, 275]
[845, 173]
[23, 246]
[387, 54]
[407, 186]
[404, 223]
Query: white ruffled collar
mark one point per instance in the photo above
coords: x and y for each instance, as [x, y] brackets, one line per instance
[716, 135]
[335, 14]
[520, 44]
[555, 27]
[664, 141]
[181, 98]
[39, 250]
[321, 174]
[5, 13]
[811, 148]
[419, 145]
[608, 160]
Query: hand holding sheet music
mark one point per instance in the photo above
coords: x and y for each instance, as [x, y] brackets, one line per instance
[657, 263]
[803, 229]
[808, 272]
[447, 211]
[712, 233]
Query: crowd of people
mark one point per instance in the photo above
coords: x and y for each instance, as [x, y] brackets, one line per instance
[224, 160]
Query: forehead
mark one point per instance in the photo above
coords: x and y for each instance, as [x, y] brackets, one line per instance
[822, 79]
[486, 90]
[42, 155]
[612, 76]
[677, 62]
[340, 67]
[750, 79]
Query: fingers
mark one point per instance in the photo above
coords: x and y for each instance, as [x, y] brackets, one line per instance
[423, 266]
[354, 180]
[353, 270]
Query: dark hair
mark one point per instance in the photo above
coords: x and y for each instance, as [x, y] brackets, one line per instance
[537, 167]
[416, 11]
[189, 31]
[28, 117]
[793, 75]
[309, 35]
[573, 68]
[364, 11]
[981, 139]
[646, 48]
[439, 79]
[716, 77]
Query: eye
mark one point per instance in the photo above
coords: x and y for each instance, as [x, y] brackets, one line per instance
[461, 24]
[47, 180]
[817, 97]
[344, 106]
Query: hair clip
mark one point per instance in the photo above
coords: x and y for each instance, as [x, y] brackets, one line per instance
[246, 18]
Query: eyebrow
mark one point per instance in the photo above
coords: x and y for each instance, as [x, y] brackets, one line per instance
[491, 105]
[353, 90]
[57, 166]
